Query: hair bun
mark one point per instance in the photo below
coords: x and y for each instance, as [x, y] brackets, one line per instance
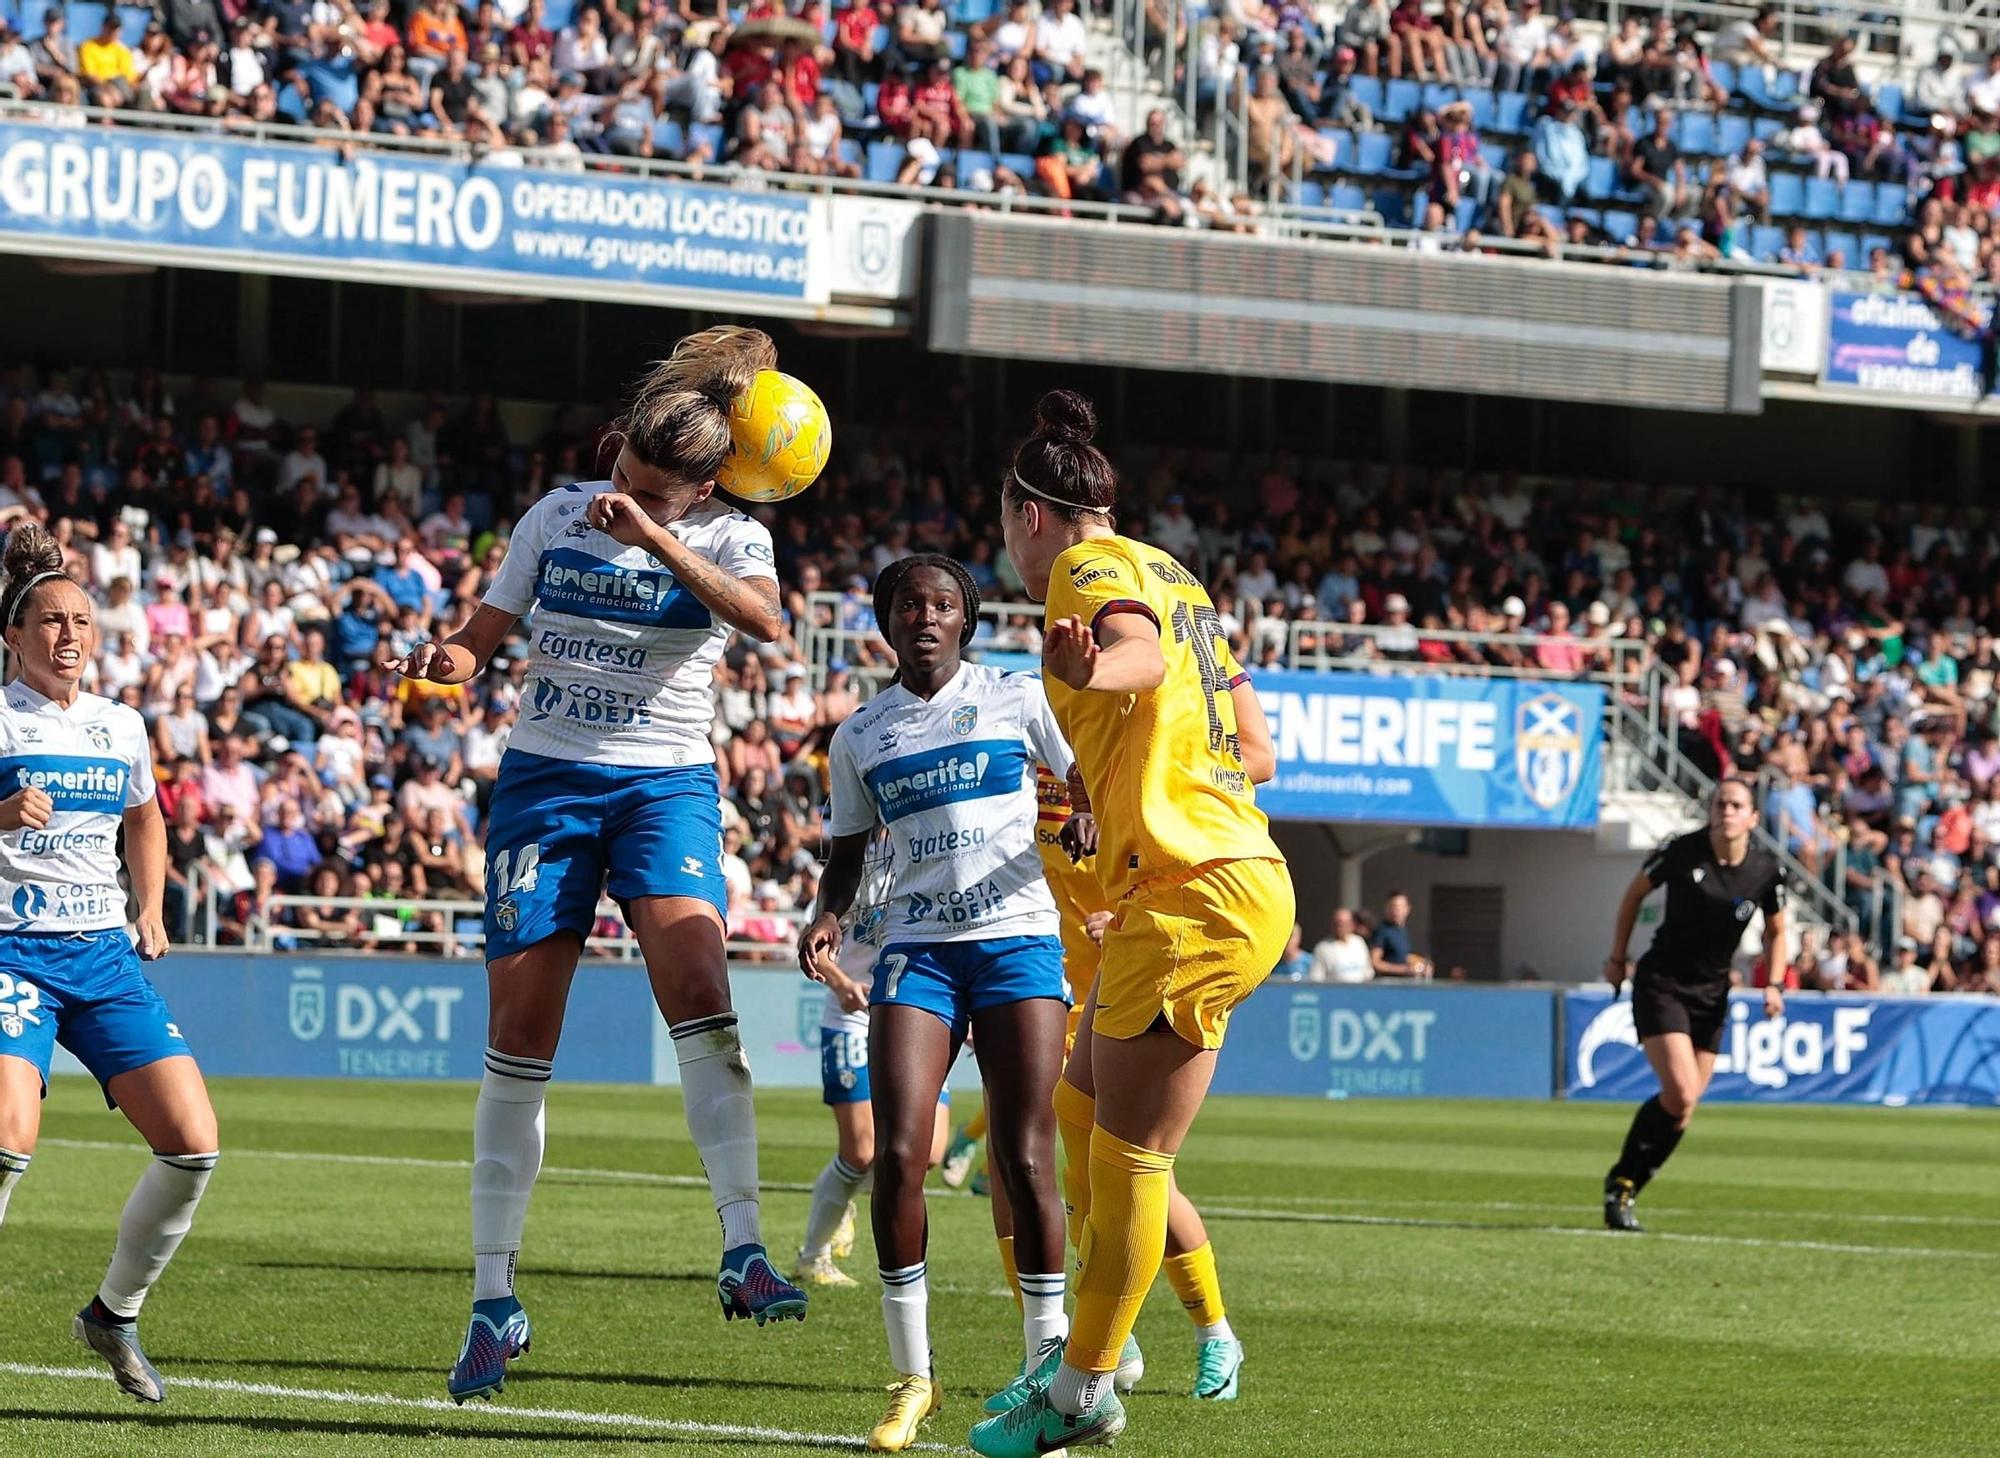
[1066, 417]
[31, 549]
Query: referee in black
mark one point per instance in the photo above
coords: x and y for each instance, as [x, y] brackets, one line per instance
[1716, 880]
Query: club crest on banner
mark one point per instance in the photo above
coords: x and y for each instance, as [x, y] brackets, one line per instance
[1548, 748]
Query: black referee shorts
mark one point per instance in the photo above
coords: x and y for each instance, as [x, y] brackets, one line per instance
[1662, 1006]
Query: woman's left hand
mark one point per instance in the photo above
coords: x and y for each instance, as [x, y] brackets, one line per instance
[1774, 1000]
[1079, 836]
[621, 518]
[152, 936]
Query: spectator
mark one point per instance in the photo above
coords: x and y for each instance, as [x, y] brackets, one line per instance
[1560, 153]
[1344, 955]
[1656, 168]
[1296, 963]
[1391, 955]
[1150, 171]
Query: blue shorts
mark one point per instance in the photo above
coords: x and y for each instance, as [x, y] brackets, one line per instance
[560, 834]
[843, 1069]
[954, 980]
[87, 992]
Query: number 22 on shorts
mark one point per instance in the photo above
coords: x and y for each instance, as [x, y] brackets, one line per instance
[19, 999]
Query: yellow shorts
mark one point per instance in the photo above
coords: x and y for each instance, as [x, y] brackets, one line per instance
[1193, 948]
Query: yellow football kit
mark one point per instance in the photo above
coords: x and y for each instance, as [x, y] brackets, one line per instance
[1202, 898]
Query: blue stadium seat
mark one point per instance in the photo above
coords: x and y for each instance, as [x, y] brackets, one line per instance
[1620, 225]
[557, 14]
[1590, 215]
[1343, 148]
[1511, 112]
[84, 17]
[1553, 214]
[1788, 193]
[1822, 197]
[1020, 164]
[1723, 74]
[1732, 133]
[1696, 133]
[1368, 91]
[885, 160]
[1848, 245]
[1393, 204]
[1468, 213]
[1763, 128]
[1601, 179]
[1787, 87]
[851, 153]
[869, 91]
[1889, 101]
[1310, 194]
[1480, 99]
[1347, 196]
[1399, 100]
[955, 43]
[668, 138]
[1765, 243]
[1438, 95]
[1494, 155]
[1871, 241]
[970, 162]
[1816, 242]
[709, 135]
[1857, 202]
[1892, 206]
[879, 38]
[132, 23]
[1371, 153]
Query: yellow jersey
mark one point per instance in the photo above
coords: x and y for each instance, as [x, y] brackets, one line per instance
[1074, 884]
[1164, 769]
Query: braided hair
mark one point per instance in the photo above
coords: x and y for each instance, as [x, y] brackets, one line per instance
[891, 578]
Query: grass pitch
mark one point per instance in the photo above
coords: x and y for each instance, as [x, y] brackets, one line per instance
[1409, 1278]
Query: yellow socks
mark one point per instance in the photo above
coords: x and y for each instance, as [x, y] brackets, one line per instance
[1013, 1272]
[1194, 1280]
[975, 1127]
[1123, 1243]
[1076, 1113]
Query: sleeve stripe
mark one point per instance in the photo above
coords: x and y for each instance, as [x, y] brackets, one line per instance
[1241, 678]
[1123, 605]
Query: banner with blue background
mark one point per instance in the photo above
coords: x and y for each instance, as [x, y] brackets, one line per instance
[206, 201]
[1825, 1049]
[1433, 750]
[1391, 1040]
[1898, 345]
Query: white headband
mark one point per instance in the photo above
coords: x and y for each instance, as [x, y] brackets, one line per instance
[21, 597]
[1057, 500]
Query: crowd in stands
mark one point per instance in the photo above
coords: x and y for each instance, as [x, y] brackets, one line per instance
[973, 97]
[251, 571]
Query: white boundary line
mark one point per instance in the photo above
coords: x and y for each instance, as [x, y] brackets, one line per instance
[573, 1416]
[1221, 1212]
[1839, 1217]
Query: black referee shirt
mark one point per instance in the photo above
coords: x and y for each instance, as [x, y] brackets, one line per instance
[1708, 905]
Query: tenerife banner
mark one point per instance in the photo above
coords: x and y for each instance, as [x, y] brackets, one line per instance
[487, 223]
[1825, 1049]
[1433, 749]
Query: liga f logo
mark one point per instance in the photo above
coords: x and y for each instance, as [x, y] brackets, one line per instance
[1548, 748]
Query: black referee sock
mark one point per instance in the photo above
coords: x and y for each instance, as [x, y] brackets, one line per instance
[1651, 1139]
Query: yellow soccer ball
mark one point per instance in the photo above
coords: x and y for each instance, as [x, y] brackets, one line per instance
[782, 438]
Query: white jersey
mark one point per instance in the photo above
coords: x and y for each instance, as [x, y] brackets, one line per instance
[621, 668]
[95, 762]
[861, 940]
[953, 780]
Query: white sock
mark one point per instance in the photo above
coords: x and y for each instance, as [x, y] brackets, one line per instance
[1042, 1316]
[1222, 1331]
[715, 1088]
[1076, 1393]
[906, 1313]
[156, 1220]
[508, 1129]
[837, 1184]
[12, 1167]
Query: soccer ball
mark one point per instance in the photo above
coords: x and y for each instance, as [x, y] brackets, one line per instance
[782, 438]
